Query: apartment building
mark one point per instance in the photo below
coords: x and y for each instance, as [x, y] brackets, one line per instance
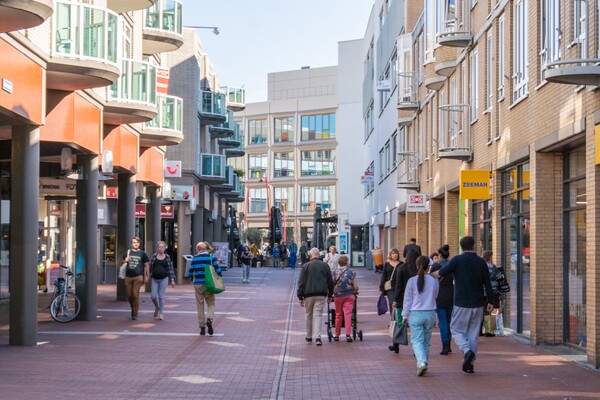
[83, 136]
[502, 96]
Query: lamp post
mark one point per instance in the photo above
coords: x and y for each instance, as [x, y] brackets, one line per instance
[231, 222]
[215, 29]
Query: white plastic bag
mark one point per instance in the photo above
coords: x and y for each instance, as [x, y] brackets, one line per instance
[499, 325]
[122, 271]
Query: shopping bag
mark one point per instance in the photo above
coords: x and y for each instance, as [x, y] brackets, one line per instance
[213, 282]
[123, 271]
[499, 324]
[382, 305]
[489, 323]
[401, 334]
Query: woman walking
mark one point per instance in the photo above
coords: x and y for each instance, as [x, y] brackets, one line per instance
[162, 272]
[419, 310]
[445, 300]
[346, 287]
[246, 259]
[403, 274]
[386, 285]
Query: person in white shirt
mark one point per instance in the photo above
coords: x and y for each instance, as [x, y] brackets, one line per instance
[419, 310]
[332, 259]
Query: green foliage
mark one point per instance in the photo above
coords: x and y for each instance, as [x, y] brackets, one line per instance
[253, 235]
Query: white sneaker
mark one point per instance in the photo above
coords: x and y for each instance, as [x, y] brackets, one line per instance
[160, 316]
[422, 369]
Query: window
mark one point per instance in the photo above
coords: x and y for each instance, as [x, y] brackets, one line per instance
[388, 159]
[318, 127]
[318, 162]
[381, 165]
[258, 200]
[394, 149]
[258, 165]
[501, 58]
[521, 75]
[284, 196]
[317, 196]
[284, 164]
[474, 98]
[431, 18]
[258, 131]
[550, 32]
[369, 124]
[369, 184]
[482, 225]
[489, 73]
[284, 129]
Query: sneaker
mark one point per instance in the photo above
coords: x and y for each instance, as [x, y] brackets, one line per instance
[422, 369]
[209, 326]
[318, 342]
[202, 331]
[336, 338]
[161, 316]
[348, 339]
[308, 339]
[134, 317]
[156, 312]
[468, 362]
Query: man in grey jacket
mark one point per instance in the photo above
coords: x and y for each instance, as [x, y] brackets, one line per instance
[314, 288]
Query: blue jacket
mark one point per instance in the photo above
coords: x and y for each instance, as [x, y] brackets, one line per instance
[200, 261]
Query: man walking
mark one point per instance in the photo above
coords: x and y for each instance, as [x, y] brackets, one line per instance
[470, 277]
[412, 245]
[137, 274]
[293, 249]
[201, 260]
[315, 286]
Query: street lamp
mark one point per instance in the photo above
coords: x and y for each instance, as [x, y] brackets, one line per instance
[232, 224]
[215, 29]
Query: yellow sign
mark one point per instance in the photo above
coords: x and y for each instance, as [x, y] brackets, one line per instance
[474, 184]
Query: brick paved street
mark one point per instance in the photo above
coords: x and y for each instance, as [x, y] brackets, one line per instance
[258, 352]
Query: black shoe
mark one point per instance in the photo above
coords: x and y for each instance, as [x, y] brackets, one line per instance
[336, 338]
[445, 349]
[308, 339]
[202, 331]
[209, 326]
[348, 339]
[318, 342]
[489, 334]
[395, 348]
[468, 362]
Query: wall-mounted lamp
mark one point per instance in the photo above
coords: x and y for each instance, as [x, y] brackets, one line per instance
[215, 29]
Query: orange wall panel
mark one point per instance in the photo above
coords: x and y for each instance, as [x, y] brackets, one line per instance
[151, 166]
[28, 85]
[124, 145]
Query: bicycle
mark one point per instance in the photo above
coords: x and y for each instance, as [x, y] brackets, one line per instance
[64, 306]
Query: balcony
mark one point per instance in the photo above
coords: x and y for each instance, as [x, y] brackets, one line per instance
[121, 6]
[445, 68]
[456, 26]
[224, 130]
[211, 108]
[17, 14]
[237, 194]
[163, 24]
[408, 94]
[132, 98]
[236, 98]
[166, 128]
[435, 82]
[211, 168]
[574, 72]
[233, 141]
[84, 47]
[405, 118]
[408, 172]
[455, 132]
[226, 186]
[237, 151]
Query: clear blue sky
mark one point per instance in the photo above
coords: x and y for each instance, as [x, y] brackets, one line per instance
[262, 36]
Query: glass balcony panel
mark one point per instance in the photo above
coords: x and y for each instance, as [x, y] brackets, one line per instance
[153, 16]
[165, 15]
[137, 83]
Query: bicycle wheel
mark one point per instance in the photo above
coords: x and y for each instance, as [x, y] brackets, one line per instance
[65, 307]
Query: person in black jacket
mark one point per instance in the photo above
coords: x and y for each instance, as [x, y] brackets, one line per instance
[445, 299]
[389, 270]
[315, 286]
[411, 246]
[403, 274]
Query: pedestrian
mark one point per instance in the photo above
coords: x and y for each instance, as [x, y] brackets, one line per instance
[495, 277]
[239, 249]
[303, 253]
[419, 310]
[386, 285]
[445, 300]
[403, 274]
[315, 286]
[282, 253]
[293, 249]
[199, 261]
[434, 257]
[162, 273]
[412, 245]
[471, 276]
[255, 253]
[332, 258]
[137, 274]
[246, 261]
[276, 256]
[344, 292]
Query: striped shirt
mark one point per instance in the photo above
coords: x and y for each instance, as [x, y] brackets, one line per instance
[200, 261]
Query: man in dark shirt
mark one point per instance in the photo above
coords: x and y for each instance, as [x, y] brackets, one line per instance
[412, 246]
[470, 277]
[137, 274]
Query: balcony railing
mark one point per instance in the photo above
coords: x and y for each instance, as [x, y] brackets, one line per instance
[456, 24]
[212, 166]
[408, 95]
[165, 15]
[170, 114]
[408, 172]
[225, 129]
[455, 132]
[236, 97]
[85, 32]
[137, 83]
[212, 106]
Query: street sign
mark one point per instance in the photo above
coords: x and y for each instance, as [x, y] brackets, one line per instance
[417, 203]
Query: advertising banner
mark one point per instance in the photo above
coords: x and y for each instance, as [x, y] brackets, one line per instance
[474, 185]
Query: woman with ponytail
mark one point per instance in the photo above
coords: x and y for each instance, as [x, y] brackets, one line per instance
[419, 310]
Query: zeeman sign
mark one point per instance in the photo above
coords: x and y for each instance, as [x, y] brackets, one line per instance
[475, 185]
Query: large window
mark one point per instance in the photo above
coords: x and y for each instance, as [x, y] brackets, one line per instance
[482, 225]
[284, 164]
[318, 127]
[318, 196]
[520, 72]
[284, 129]
[258, 200]
[284, 196]
[550, 32]
[474, 98]
[258, 130]
[257, 164]
[318, 162]
[369, 124]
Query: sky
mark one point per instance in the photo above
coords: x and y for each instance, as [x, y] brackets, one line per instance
[261, 36]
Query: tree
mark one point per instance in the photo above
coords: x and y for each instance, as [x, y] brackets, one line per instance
[253, 235]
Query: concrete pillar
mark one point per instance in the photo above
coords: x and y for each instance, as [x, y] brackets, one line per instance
[198, 221]
[592, 278]
[86, 225]
[24, 193]
[435, 225]
[184, 222]
[125, 223]
[152, 220]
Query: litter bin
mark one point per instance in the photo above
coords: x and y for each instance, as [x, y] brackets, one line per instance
[188, 262]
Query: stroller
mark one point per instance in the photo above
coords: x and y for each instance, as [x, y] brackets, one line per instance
[331, 321]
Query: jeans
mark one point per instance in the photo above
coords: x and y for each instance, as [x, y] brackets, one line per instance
[444, 318]
[246, 272]
[314, 315]
[157, 292]
[293, 260]
[132, 287]
[465, 327]
[201, 295]
[421, 324]
[343, 305]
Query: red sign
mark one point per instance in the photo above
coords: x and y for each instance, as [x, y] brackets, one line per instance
[140, 211]
[111, 193]
[172, 169]
[162, 80]
[167, 212]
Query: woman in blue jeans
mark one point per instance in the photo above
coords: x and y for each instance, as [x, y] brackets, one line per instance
[419, 310]
[162, 273]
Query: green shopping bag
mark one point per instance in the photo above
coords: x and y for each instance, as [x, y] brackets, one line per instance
[213, 282]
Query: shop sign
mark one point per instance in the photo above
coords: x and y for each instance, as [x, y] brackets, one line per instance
[57, 187]
[474, 184]
[112, 192]
[182, 192]
[140, 211]
[383, 85]
[172, 169]
[367, 178]
[162, 80]
[167, 212]
[417, 203]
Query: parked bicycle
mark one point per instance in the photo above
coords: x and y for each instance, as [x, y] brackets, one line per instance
[64, 306]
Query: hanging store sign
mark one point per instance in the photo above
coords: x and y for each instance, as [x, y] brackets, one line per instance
[367, 178]
[162, 80]
[474, 185]
[167, 211]
[181, 193]
[172, 169]
[384, 85]
[417, 203]
[57, 187]
[112, 193]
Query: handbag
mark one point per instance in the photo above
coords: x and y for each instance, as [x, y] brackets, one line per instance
[213, 283]
[123, 269]
[401, 334]
[387, 285]
[382, 305]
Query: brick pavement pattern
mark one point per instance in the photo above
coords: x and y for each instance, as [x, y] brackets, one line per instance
[258, 352]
